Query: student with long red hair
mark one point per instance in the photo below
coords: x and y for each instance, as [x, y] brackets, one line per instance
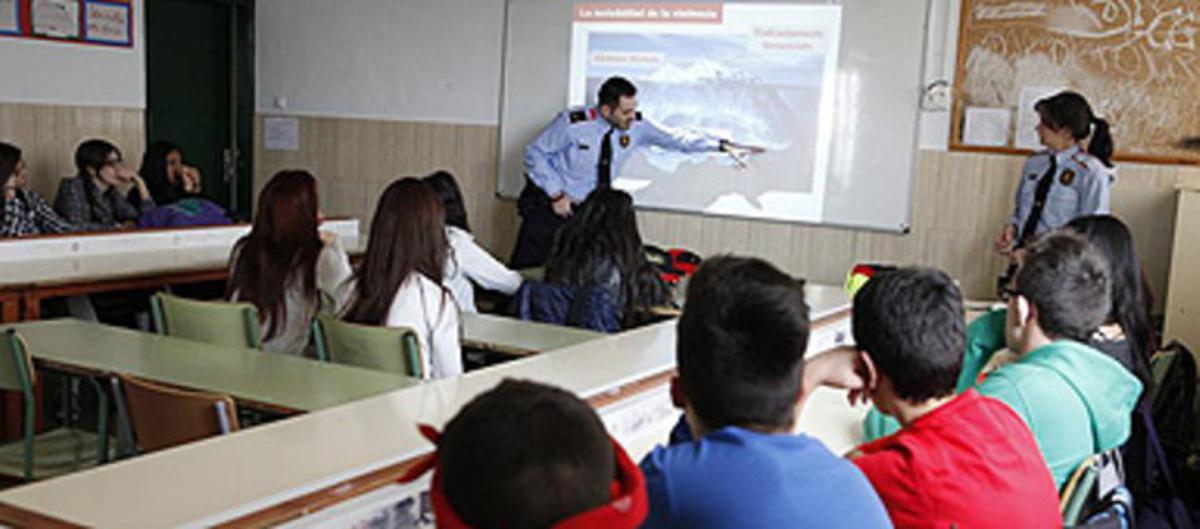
[286, 266]
[400, 281]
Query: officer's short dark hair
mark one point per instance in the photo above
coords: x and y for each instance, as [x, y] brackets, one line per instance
[1067, 279]
[741, 343]
[910, 321]
[525, 455]
[613, 90]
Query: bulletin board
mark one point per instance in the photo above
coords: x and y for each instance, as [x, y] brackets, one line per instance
[85, 22]
[1136, 61]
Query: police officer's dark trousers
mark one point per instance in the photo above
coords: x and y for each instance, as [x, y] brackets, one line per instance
[539, 224]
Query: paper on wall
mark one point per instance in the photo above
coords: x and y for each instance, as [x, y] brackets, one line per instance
[985, 126]
[108, 23]
[281, 134]
[56, 18]
[10, 22]
[1027, 118]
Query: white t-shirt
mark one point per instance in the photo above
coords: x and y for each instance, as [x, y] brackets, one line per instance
[423, 306]
[467, 262]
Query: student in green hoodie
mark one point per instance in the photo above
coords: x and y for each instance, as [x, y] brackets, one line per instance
[1075, 399]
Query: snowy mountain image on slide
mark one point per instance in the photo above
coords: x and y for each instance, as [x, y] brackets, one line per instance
[714, 85]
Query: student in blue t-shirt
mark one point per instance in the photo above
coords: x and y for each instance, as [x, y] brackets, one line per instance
[740, 354]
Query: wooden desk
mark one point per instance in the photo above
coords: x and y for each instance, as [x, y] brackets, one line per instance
[32, 270]
[269, 381]
[510, 336]
[294, 468]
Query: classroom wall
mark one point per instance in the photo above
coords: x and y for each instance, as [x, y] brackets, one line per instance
[959, 201]
[54, 95]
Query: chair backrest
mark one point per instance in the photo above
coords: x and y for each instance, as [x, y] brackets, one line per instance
[16, 365]
[163, 416]
[215, 322]
[1078, 489]
[392, 349]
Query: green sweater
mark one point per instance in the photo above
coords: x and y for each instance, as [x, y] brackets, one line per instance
[1076, 400]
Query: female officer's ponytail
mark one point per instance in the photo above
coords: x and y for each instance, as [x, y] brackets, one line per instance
[1069, 110]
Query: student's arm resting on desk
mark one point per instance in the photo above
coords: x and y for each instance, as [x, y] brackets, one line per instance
[47, 219]
[553, 140]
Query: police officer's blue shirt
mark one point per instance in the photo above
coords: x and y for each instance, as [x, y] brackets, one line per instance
[1081, 187]
[565, 157]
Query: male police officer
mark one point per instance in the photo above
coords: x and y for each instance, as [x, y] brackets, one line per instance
[583, 149]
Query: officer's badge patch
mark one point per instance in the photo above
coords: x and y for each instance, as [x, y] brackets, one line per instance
[624, 142]
[1067, 177]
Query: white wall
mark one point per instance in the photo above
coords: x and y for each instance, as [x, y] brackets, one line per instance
[402, 60]
[59, 73]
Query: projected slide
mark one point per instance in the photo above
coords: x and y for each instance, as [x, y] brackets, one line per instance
[758, 74]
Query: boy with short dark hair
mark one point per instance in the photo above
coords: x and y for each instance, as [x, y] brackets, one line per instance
[959, 461]
[1077, 400]
[740, 354]
[527, 456]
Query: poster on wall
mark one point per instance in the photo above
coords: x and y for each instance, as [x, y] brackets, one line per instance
[56, 18]
[10, 17]
[108, 22]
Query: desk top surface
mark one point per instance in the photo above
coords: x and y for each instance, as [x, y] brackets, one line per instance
[219, 479]
[93, 257]
[273, 379]
[516, 337]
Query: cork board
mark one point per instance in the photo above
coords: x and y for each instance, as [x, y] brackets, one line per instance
[1136, 61]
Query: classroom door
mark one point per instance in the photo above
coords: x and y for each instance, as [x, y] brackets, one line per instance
[199, 90]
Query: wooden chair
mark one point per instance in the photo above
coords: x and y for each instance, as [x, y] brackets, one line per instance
[392, 349]
[50, 453]
[215, 322]
[164, 416]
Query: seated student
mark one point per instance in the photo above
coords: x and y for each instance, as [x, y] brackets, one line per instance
[740, 354]
[467, 262]
[600, 247]
[960, 461]
[399, 283]
[91, 199]
[166, 177]
[25, 211]
[528, 456]
[1076, 399]
[286, 266]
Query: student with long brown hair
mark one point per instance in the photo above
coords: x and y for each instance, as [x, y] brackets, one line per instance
[286, 266]
[400, 281]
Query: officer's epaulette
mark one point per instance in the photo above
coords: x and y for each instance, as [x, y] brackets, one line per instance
[577, 116]
[1082, 158]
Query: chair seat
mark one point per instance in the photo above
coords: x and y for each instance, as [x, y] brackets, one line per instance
[57, 452]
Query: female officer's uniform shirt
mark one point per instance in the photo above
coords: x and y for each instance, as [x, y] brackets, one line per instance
[1081, 187]
[565, 156]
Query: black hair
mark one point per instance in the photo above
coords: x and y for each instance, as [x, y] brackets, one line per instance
[1069, 110]
[10, 156]
[910, 321]
[450, 195]
[154, 172]
[613, 89]
[1130, 306]
[93, 154]
[741, 343]
[1067, 279]
[523, 456]
[603, 234]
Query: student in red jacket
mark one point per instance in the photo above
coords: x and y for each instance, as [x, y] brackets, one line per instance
[959, 461]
